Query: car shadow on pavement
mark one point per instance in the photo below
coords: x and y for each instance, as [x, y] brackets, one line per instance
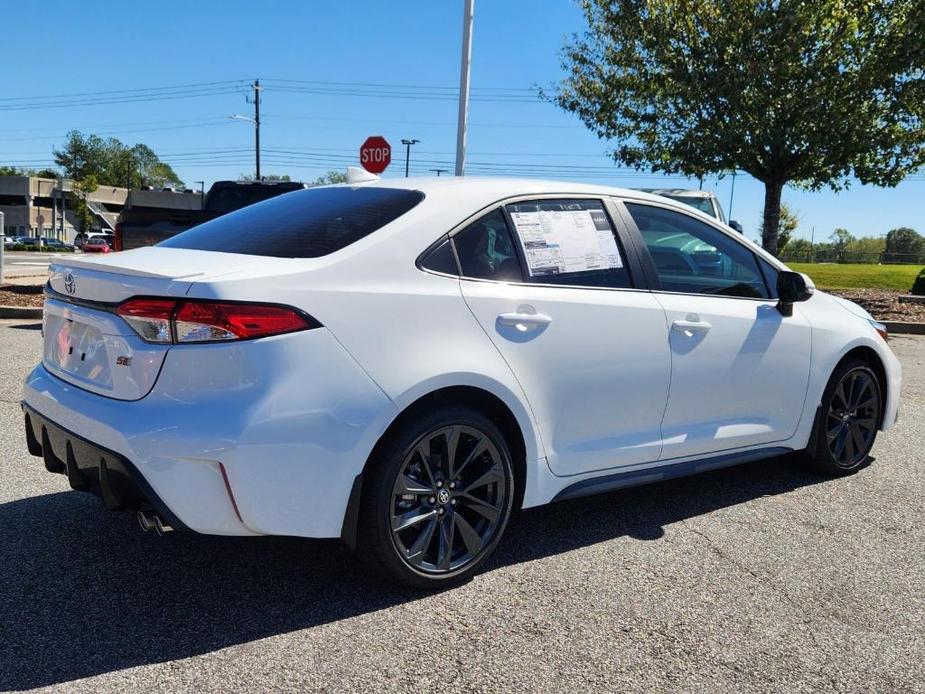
[83, 592]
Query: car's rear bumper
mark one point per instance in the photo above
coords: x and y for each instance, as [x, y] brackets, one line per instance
[91, 468]
[262, 438]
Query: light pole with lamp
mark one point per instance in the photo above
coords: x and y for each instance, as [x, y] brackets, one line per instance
[407, 144]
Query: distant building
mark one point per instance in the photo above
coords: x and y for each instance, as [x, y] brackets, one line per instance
[45, 207]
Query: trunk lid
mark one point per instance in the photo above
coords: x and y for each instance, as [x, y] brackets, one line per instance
[88, 345]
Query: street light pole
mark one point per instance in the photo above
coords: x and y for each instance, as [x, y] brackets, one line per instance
[463, 115]
[3, 235]
[407, 144]
[438, 171]
[202, 194]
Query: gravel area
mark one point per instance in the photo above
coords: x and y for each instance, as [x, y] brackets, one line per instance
[21, 295]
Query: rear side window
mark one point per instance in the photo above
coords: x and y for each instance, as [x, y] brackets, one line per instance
[441, 259]
[569, 242]
[486, 250]
[302, 224]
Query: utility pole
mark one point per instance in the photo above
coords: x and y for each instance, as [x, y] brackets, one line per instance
[257, 126]
[463, 115]
[407, 144]
[732, 193]
[439, 171]
[256, 121]
[202, 194]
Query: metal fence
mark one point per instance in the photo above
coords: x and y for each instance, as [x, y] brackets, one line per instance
[836, 256]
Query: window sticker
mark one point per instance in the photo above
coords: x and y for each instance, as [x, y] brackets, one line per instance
[566, 240]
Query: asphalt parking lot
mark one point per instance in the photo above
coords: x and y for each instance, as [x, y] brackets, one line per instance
[766, 577]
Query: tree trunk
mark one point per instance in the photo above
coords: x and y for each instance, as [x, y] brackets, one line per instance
[771, 230]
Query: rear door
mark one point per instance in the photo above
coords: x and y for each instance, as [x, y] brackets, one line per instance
[551, 284]
[739, 369]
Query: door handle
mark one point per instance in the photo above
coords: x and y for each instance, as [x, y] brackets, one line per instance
[690, 326]
[524, 320]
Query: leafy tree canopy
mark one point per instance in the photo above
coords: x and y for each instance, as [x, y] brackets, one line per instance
[905, 241]
[330, 177]
[17, 171]
[113, 163]
[792, 92]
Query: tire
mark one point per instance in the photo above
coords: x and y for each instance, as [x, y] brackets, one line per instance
[428, 519]
[848, 419]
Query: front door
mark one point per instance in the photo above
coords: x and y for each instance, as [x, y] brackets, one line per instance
[739, 369]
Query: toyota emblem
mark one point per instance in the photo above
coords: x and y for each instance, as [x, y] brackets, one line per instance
[69, 284]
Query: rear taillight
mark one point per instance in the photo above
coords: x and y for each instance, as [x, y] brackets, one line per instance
[170, 321]
[150, 318]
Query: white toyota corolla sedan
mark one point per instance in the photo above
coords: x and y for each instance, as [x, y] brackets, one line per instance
[401, 363]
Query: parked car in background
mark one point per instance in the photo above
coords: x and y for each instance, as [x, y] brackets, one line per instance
[96, 244]
[702, 200]
[402, 362]
[83, 237]
[57, 244]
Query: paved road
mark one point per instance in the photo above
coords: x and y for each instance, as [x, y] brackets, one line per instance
[25, 263]
[761, 578]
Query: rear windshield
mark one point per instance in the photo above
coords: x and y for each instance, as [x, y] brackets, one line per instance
[226, 199]
[302, 224]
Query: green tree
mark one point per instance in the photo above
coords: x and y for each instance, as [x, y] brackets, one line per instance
[840, 239]
[789, 223]
[112, 163]
[904, 241]
[330, 177]
[792, 92]
[799, 250]
[16, 171]
[82, 189]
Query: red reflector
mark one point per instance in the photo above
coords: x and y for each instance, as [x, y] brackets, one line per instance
[147, 308]
[243, 320]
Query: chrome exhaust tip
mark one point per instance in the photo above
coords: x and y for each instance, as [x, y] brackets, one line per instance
[146, 519]
[161, 527]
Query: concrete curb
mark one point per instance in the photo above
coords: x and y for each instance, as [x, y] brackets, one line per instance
[20, 312]
[904, 328]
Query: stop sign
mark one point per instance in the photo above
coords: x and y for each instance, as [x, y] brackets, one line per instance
[375, 154]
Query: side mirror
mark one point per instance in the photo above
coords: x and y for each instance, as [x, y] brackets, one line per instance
[735, 225]
[792, 287]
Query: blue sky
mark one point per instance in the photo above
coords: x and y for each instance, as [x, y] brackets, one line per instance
[322, 47]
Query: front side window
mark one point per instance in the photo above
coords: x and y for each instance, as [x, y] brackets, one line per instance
[302, 224]
[694, 258]
[486, 250]
[569, 242]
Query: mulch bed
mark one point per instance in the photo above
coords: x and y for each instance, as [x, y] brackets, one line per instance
[26, 295]
[882, 304]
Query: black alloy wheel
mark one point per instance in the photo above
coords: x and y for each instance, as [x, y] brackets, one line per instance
[439, 500]
[851, 421]
[848, 419]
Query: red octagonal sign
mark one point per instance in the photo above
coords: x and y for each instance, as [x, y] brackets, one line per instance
[375, 154]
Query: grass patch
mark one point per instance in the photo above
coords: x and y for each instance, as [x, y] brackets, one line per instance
[837, 276]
